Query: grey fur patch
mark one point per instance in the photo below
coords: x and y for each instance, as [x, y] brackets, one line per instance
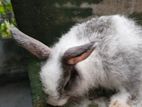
[96, 25]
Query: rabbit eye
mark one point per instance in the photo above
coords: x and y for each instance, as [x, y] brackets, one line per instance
[71, 80]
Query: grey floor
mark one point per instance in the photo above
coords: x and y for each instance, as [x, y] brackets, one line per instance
[15, 95]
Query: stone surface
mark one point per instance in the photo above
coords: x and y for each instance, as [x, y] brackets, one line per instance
[12, 57]
[13, 62]
[15, 95]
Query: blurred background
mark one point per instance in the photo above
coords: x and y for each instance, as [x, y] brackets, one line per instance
[46, 21]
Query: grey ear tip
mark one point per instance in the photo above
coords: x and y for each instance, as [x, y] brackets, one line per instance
[13, 29]
[15, 32]
[32, 45]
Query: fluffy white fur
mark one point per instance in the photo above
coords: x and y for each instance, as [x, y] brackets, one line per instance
[116, 37]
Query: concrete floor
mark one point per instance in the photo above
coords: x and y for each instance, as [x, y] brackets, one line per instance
[15, 95]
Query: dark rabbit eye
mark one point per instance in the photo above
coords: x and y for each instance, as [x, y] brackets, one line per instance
[71, 80]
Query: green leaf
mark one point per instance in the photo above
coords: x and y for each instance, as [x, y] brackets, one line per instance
[6, 20]
[5, 29]
[2, 10]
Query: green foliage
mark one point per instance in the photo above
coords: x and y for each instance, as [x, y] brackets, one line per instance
[4, 29]
[6, 18]
[37, 94]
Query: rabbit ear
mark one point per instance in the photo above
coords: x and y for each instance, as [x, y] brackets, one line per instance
[77, 54]
[34, 46]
